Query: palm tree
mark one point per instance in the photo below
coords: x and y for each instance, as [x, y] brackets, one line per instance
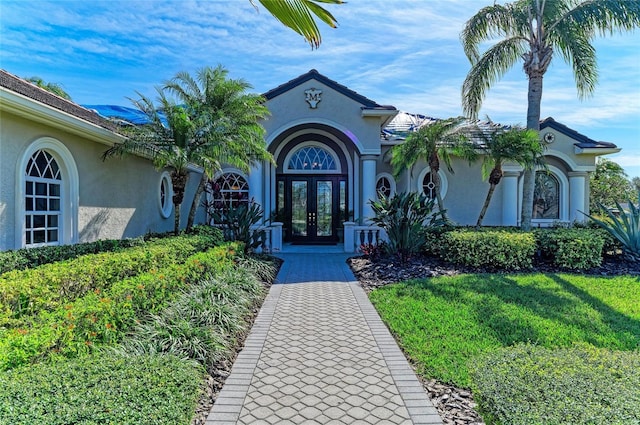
[298, 15]
[521, 146]
[170, 139]
[533, 30]
[433, 142]
[231, 134]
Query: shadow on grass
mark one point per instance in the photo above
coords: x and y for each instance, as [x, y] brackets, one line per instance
[545, 309]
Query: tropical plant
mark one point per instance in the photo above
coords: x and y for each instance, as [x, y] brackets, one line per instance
[521, 146]
[608, 185]
[237, 224]
[172, 139]
[434, 142]
[298, 15]
[404, 217]
[624, 226]
[231, 133]
[54, 88]
[532, 31]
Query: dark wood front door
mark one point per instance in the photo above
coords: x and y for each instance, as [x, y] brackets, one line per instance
[311, 206]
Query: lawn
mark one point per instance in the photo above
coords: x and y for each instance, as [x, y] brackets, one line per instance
[443, 322]
[534, 348]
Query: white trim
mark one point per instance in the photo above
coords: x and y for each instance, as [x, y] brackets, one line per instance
[69, 192]
[444, 182]
[392, 182]
[311, 143]
[344, 130]
[167, 208]
[568, 160]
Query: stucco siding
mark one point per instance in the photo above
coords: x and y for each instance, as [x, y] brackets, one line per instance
[117, 198]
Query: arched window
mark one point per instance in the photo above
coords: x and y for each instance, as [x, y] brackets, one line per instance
[165, 195]
[546, 198]
[426, 185]
[429, 186]
[229, 190]
[42, 200]
[312, 158]
[385, 185]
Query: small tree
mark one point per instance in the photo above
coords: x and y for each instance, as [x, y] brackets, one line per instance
[521, 146]
[435, 143]
[608, 185]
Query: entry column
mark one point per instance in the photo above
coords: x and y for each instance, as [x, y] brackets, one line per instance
[368, 185]
[256, 184]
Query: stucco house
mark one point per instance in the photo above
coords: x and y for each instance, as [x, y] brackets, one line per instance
[329, 144]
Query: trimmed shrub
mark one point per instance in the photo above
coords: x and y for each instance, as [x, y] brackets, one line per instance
[575, 249]
[531, 385]
[27, 292]
[101, 318]
[493, 249]
[27, 258]
[104, 389]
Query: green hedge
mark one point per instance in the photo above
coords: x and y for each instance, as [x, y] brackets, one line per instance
[575, 249]
[104, 316]
[27, 258]
[530, 385]
[104, 389]
[28, 292]
[494, 249]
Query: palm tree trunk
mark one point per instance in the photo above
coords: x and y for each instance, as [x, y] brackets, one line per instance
[533, 122]
[494, 180]
[196, 201]
[179, 180]
[435, 177]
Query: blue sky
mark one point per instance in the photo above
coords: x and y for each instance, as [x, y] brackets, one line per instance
[405, 53]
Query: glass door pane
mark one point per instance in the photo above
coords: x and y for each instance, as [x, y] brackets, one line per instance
[324, 208]
[299, 208]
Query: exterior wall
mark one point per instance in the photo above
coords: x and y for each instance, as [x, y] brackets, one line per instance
[117, 198]
[336, 110]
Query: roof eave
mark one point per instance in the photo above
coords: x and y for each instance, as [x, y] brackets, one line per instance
[29, 108]
[596, 151]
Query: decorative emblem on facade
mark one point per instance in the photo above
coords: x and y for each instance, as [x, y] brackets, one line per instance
[312, 96]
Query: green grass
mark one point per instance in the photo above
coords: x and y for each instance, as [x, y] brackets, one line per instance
[444, 322]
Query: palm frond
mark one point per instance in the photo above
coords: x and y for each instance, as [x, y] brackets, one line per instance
[493, 64]
[299, 16]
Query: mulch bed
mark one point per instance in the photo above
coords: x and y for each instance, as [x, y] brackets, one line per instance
[456, 405]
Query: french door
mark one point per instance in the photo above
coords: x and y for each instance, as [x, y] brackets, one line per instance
[311, 207]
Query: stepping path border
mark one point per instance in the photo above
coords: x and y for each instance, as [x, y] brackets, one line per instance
[229, 404]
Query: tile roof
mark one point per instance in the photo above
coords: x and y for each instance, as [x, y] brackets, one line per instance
[25, 88]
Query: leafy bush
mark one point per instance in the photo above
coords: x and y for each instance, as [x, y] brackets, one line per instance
[27, 292]
[576, 249]
[531, 385]
[625, 227]
[237, 224]
[495, 249]
[404, 216]
[101, 318]
[105, 389]
[26, 258]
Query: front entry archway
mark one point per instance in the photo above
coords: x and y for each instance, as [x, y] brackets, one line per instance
[311, 207]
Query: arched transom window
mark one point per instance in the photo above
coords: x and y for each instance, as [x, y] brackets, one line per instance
[43, 182]
[312, 158]
[546, 198]
[229, 190]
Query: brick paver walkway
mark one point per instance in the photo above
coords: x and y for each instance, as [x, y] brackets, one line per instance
[319, 353]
